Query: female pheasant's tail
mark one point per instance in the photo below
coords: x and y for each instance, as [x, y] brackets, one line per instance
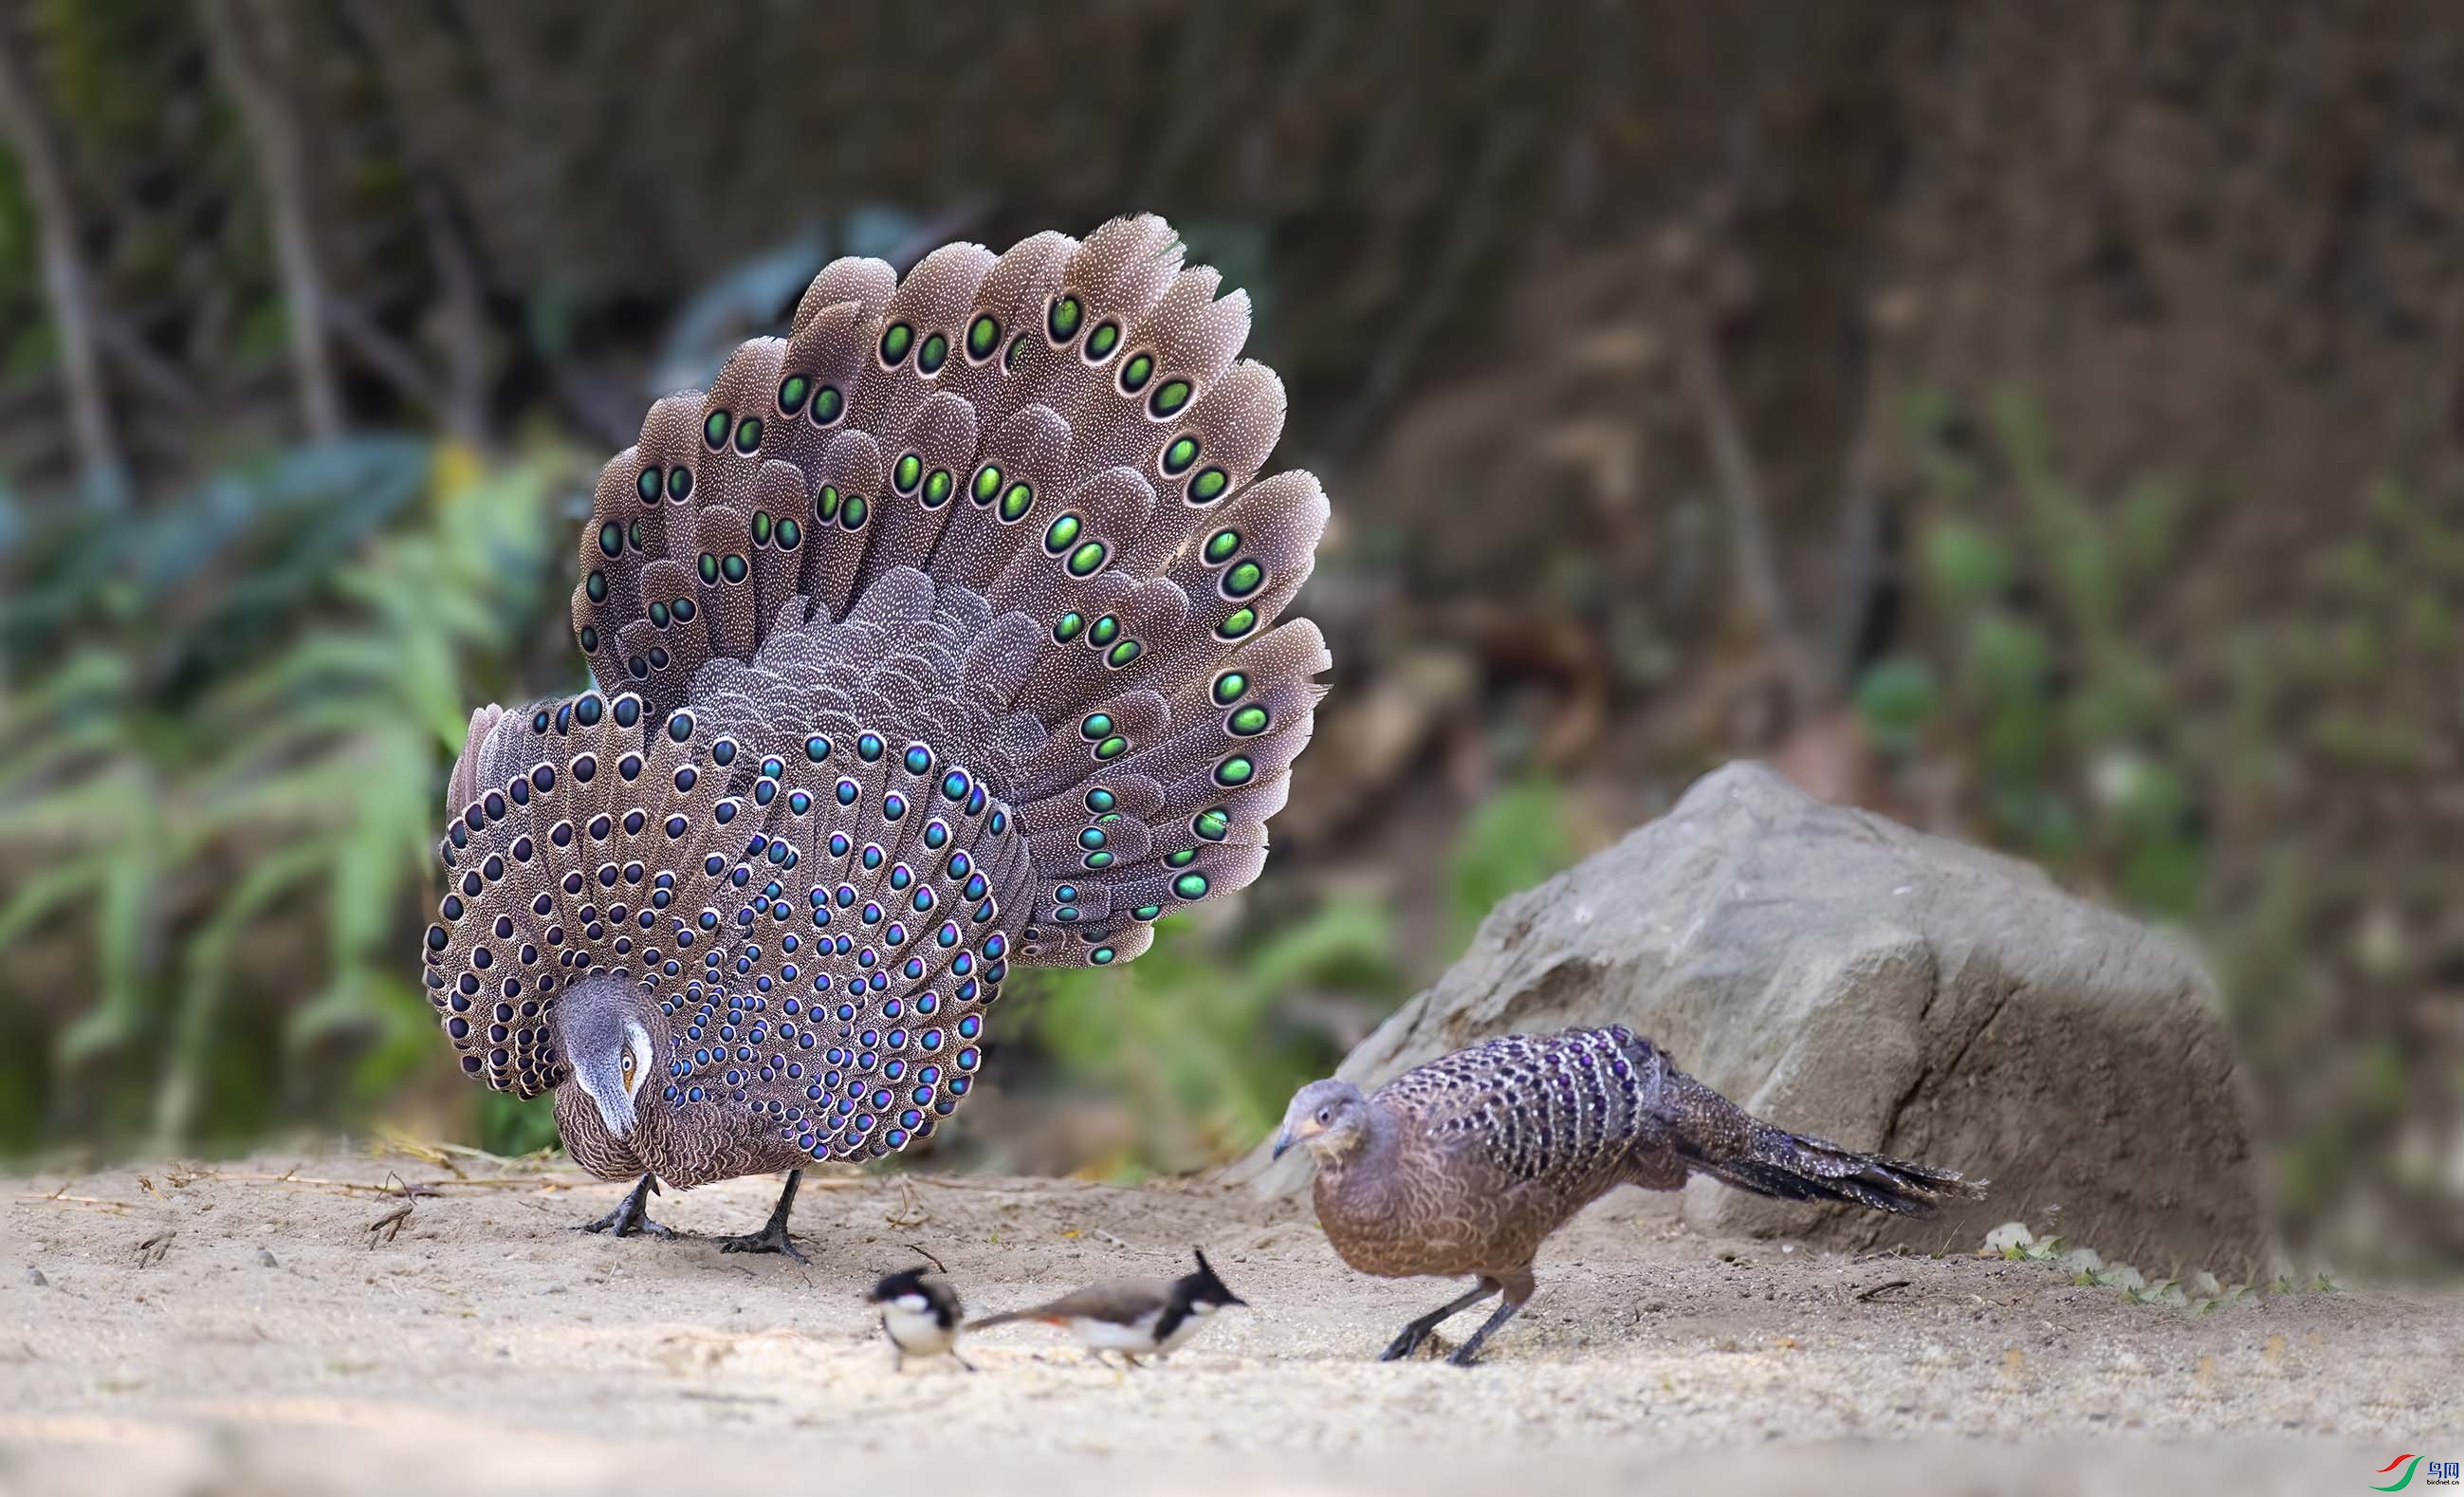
[1720, 1139]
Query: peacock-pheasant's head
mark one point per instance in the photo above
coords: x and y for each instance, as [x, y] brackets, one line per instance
[606, 1040]
[1330, 1119]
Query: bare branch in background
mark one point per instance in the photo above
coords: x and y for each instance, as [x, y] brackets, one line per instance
[387, 355]
[253, 80]
[1739, 480]
[466, 311]
[66, 282]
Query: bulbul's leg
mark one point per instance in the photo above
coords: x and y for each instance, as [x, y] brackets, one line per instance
[773, 1237]
[630, 1217]
[1416, 1331]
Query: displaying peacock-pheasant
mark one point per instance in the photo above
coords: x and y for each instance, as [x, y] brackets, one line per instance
[939, 635]
[1467, 1164]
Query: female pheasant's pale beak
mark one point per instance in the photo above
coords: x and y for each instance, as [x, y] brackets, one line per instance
[1283, 1141]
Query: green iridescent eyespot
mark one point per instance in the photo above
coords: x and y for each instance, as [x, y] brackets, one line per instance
[1122, 653]
[1065, 628]
[1135, 373]
[895, 340]
[1101, 955]
[748, 435]
[987, 484]
[646, 485]
[1182, 453]
[1111, 748]
[1017, 351]
[1229, 686]
[611, 538]
[851, 515]
[826, 504]
[1249, 721]
[1209, 486]
[792, 391]
[640, 537]
[1091, 838]
[1100, 799]
[589, 640]
[1168, 399]
[1245, 579]
[1214, 823]
[734, 568]
[983, 336]
[1190, 886]
[1183, 858]
[1238, 623]
[1014, 504]
[1146, 912]
[935, 352]
[910, 469]
[1058, 538]
[680, 482]
[1104, 628]
[1063, 321]
[709, 568]
[714, 430]
[1101, 343]
[596, 586]
[1087, 560]
[760, 526]
[1235, 771]
[789, 533]
[1097, 725]
[659, 614]
[826, 405]
[936, 488]
[1220, 545]
[1098, 859]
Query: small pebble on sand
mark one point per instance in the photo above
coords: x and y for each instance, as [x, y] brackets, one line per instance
[265, 1258]
[34, 1277]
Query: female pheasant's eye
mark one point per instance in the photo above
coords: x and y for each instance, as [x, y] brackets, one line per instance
[1325, 1115]
[628, 1067]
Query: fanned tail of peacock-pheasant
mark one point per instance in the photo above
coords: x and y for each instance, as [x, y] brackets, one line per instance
[941, 634]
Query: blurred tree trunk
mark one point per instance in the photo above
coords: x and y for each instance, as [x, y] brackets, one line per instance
[67, 284]
[251, 78]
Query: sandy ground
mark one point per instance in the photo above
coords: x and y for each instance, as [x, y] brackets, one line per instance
[267, 1341]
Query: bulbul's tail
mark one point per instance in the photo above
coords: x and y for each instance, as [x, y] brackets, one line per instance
[1004, 1318]
[1719, 1138]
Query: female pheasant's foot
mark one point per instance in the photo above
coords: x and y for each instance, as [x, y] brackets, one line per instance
[1469, 1351]
[1418, 1330]
[631, 1218]
[773, 1237]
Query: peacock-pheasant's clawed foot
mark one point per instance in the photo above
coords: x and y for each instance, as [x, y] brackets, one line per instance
[1404, 1345]
[632, 1217]
[773, 1237]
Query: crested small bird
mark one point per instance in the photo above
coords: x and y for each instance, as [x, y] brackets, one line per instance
[1467, 1164]
[938, 635]
[1136, 1317]
[920, 1313]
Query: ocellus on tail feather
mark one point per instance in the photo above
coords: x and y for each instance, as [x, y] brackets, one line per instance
[941, 634]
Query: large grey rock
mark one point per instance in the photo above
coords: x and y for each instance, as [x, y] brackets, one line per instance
[1840, 974]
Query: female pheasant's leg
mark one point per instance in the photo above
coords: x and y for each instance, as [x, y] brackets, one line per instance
[631, 1218]
[773, 1237]
[1518, 1292]
[1418, 1330]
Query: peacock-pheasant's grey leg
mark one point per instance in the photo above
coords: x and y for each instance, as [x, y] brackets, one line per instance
[1518, 1292]
[773, 1237]
[1418, 1330]
[632, 1217]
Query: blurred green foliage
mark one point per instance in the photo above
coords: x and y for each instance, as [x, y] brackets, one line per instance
[241, 711]
[2040, 679]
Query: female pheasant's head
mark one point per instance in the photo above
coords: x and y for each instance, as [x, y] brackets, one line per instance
[1330, 1119]
[602, 1030]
